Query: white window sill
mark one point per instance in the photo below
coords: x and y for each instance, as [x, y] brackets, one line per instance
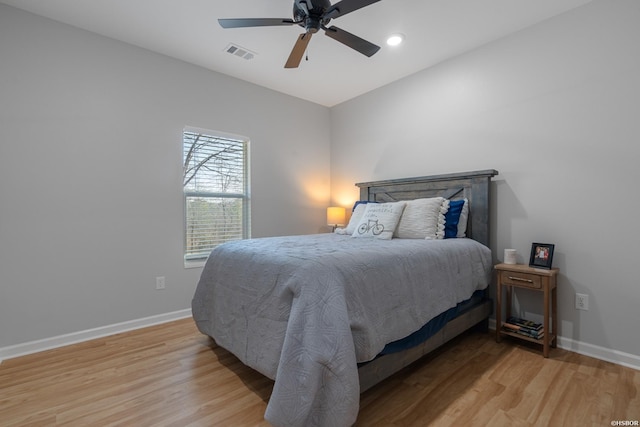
[195, 264]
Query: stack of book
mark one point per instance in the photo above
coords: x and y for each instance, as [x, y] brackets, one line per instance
[524, 327]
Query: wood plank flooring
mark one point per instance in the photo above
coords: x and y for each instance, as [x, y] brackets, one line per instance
[171, 375]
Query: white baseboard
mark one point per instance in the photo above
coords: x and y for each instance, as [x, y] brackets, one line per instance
[614, 356]
[90, 334]
[602, 353]
[595, 351]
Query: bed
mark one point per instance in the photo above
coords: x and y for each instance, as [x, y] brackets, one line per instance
[328, 316]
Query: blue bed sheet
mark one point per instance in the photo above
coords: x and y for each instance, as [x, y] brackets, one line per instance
[434, 325]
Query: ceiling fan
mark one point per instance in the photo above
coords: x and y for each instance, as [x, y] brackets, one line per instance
[313, 15]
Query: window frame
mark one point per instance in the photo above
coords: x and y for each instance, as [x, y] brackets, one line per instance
[199, 261]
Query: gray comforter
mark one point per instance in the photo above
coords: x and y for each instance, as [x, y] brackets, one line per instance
[304, 310]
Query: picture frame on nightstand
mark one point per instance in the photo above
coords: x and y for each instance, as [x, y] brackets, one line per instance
[541, 255]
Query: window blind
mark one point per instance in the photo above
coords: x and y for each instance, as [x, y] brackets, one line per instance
[216, 192]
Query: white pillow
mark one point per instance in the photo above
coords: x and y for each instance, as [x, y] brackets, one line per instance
[423, 219]
[379, 220]
[464, 217]
[356, 215]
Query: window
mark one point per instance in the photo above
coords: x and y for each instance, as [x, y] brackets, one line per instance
[216, 191]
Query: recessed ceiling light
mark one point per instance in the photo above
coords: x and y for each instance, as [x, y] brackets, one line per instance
[395, 39]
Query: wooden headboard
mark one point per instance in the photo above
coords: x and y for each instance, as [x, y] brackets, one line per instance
[473, 186]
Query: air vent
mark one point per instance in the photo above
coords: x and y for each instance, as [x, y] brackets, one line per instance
[240, 51]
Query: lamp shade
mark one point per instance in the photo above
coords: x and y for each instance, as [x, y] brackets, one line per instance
[335, 215]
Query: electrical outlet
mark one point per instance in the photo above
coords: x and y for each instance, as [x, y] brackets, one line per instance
[160, 283]
[582, 302]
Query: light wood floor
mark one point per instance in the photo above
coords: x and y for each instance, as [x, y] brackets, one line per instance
[170, 375]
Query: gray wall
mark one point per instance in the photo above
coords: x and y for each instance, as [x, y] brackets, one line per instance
[90, 196]
[555, 110]
[90, 174]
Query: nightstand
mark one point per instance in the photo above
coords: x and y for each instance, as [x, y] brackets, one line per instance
[537, 279]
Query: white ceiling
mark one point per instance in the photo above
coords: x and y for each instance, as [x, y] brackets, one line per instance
[435, 30]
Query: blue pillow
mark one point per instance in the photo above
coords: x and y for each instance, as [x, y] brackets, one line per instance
[452, 218]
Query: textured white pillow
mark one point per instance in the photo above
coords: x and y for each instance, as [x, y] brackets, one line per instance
[356, 215]
[464, 217]
[423, 219]
[379, 220]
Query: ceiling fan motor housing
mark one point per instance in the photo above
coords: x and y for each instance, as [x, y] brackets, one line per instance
[310, 13]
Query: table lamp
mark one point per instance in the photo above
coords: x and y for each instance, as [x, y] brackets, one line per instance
[335, 216]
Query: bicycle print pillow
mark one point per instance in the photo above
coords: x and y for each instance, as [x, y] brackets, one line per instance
[379, 220]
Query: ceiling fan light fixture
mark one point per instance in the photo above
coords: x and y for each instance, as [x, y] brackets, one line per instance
[395, 39]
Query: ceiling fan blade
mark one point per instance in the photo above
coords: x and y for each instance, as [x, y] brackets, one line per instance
[254, 22]
[346, 6]
[298, 51]
[354, 42]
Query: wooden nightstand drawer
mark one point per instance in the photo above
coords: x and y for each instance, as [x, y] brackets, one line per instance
[523, 280]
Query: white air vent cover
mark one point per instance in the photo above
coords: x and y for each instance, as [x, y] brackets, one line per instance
[239, 51]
